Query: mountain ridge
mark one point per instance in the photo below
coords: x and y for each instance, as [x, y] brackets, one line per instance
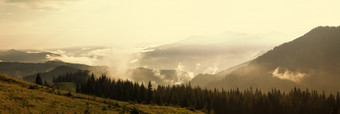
[21, 70]
[310, 61]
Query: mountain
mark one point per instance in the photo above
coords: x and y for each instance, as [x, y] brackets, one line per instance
[209, 54]
[162, 77]
[21, 70]
[204, 79]
[310, 61]
[25, 56]
[231, 69]
[18, 96]
[48, 76]
[89, 55]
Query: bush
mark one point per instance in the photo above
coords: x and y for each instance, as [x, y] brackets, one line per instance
[191, 108]
[33, 87]
[69, 94]
[58, 92]
[104, 108]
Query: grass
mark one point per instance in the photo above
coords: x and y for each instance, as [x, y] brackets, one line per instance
[68, 86]
[17, 96]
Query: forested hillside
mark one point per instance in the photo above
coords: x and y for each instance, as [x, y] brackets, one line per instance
[310, 61]
[17, 96]
[235, 101]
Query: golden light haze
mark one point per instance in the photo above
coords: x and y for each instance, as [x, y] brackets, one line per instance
[131, 23]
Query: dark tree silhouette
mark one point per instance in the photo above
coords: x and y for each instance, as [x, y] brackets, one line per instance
[38, 80]
[149, 93]
[232, 101]
[78, 77]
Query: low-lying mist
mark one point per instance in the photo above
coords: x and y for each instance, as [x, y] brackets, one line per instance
[173, 63]
[123, 64]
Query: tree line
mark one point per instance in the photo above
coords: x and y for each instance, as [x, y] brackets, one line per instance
[78, 77]
[296, 101]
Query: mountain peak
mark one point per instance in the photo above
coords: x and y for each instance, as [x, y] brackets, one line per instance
[326, 27]
[323, 31]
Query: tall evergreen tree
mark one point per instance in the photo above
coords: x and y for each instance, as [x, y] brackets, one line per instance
[142, 94]
[149, 93]
[38, 80]
[77, 89]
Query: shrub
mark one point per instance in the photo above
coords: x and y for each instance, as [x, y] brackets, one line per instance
[134, 110]
[69, 94]
[33, 87]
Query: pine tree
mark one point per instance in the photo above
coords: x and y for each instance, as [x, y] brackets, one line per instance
[46, 84]
[142, 94]
[149, 94]
[38, 80]
[78, 89]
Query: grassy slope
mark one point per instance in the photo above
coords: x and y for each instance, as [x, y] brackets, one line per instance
[17, 96]
[69, 86]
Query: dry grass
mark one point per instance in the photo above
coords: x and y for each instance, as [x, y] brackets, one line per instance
[17, 96]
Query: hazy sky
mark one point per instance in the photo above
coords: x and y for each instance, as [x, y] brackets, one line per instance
[66, 23]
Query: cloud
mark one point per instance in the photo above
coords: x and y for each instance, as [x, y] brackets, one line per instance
[158, 74]
[182, 74]
[197, 66]
[118, 61]
[26, 1]
[288, 75]
[212, 70]
[73, 59]
[37, 4]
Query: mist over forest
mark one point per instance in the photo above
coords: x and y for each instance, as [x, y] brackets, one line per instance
[203, 70]
[193, 56]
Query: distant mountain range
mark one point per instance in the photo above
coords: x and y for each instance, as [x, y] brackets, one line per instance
[24, 56]
[72, 55]
[204, 79]
[163, 77]
[177, 62]
[48, 76]
[310, 61]
[200, 54]
[25, 64]
[48, 70]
